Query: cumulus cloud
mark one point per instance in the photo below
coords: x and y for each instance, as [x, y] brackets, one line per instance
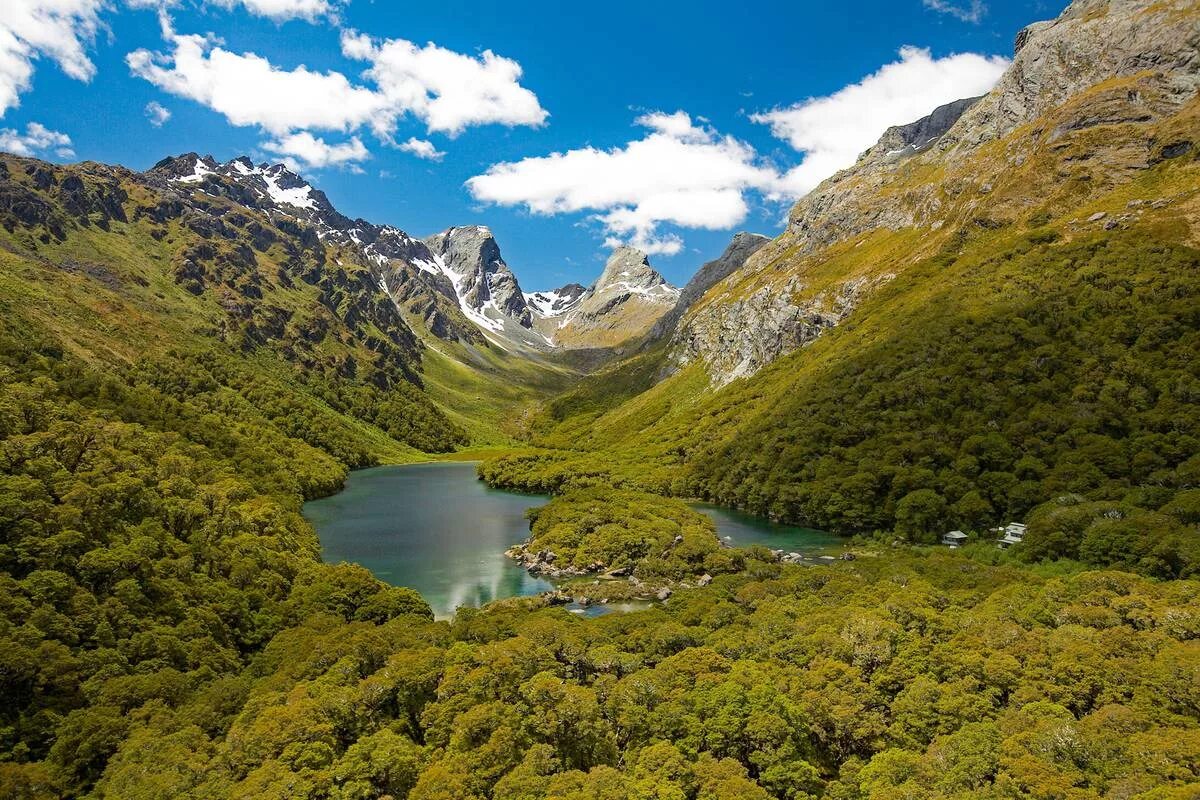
[301, 150]
[422, 148]
[685, 174]
[157, 113]
[248, 90]
[678, 173]
[281, 10]
[57, 29]
[37, 140]
[448, 91]
[832, 131]
[967, 12]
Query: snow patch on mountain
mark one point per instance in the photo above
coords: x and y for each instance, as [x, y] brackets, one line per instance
[556, 302]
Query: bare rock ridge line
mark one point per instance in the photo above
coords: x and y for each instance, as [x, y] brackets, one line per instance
[709, 275]
[1101, 62]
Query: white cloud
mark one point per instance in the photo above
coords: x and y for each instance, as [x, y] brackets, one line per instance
[301, 150]
[683, 173]
[678, 173]
[277, 10]
[249, 90]
[422, 148]
[832, 131]
[157, 113]
[57, 29]
[37, 140]
[281, 10]
[448, 91]
[967, 12]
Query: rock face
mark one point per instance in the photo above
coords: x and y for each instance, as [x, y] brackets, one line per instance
[404, 267]
[455, 282]
[624, 304]
[1127, 64]
[471, 259]
[915, 137]
[556, 301]
[736, 338]
[709, 275]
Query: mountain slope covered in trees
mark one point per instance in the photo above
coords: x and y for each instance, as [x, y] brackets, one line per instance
[1000, 324]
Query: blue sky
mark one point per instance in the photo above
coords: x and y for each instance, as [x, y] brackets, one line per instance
[603, 85]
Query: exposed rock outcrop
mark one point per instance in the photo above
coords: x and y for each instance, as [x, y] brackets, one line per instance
[738, 337]
[624, 304]
[709, 275]
[472, 260]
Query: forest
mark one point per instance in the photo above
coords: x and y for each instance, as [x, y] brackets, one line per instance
[169, 631]
[178, 378]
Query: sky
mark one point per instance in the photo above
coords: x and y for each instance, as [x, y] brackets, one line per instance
[567, 128]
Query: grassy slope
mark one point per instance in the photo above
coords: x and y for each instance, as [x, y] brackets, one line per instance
[116, 302]
[491, 393]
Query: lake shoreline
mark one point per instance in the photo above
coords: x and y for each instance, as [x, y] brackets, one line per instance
[434, 526]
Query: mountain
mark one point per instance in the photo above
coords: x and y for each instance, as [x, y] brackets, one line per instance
[487, 289]
[556, 301]
[1036, 140]
[710, 274]
[622, 305]
[993, 316]
[456, 283]
[447, 301]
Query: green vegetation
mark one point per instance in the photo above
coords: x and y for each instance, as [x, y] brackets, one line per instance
[1032, 372]
[489, 393]
[932, 677]
[646, 535]
[151, 543]
[175, 379]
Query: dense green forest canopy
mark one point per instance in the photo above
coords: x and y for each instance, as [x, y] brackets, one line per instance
[168, 631]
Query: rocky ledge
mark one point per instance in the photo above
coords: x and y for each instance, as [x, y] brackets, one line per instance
[618, 583]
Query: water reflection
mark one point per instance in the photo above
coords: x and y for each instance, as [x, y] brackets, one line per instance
[432, 527]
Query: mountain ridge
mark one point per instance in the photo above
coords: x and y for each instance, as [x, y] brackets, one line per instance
[462, 264]
[1097, 64]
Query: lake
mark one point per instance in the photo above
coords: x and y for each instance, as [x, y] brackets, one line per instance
[440, 530]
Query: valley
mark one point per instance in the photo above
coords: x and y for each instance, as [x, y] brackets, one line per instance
[294, 505]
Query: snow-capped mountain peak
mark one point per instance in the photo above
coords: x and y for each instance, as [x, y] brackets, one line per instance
[457, 281]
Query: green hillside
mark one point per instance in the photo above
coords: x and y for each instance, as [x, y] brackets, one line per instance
[1050, 357]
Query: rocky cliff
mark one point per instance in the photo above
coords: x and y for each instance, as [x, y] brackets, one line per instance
[709, 275]
[489, 290]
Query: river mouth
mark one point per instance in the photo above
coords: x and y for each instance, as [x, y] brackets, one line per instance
[440, 530]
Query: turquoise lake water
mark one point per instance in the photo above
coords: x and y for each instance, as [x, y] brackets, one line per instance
[440, 530]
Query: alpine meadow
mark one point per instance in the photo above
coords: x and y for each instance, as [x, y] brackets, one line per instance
[898, 498]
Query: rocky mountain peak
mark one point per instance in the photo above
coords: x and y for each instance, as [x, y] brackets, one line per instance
[736, 254]
[628, 269]
[471, 258]
[1131, 65]
[900, 141]
[185, 166]
[556, 301]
